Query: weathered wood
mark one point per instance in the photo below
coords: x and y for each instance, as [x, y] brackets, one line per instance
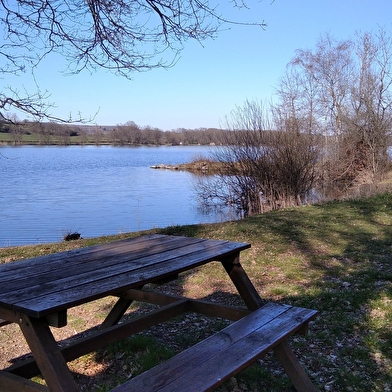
[49, 359]
[150, 297]
[68, 259]
[209, 363]
[293, 368]
[58, 319]
[63, 272]
[12, 383]
[103, 337]
[116, 313]
[38, 292]
[112, 273]
[242, 282]
[195, 305]
[4, 322]
[8, 316]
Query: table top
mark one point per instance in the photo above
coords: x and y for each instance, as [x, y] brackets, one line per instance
[51, 283]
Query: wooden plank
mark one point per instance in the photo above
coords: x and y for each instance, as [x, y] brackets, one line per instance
[116, 312]
[178, 365]
[51, 363]
[237, 357]
[8, 316]
[110, 270]
[11, 383]
[117, 263]
[293, 368]
[65, 259]
[103, 337]
[87, 287]
[242, 282]
[151, 297]
[104, 266]
[167, 279]
[208, 364]
[4, 322]
[198, 306]
[62, 264]
[58, 319]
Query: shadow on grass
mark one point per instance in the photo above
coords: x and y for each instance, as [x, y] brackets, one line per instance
[345, 249]
[333, 257]
[140, 352]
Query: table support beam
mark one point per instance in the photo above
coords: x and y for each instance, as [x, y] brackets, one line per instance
[194, 305]
[116, 313]
[51, 362]
[293, 368]
[12, 383]
[242, 282]
[103, 337]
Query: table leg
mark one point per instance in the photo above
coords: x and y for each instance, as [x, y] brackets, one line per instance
[293, 368]
[50, 361]
[242, 282]
[118, 310]
[116, 313]
[253, 301]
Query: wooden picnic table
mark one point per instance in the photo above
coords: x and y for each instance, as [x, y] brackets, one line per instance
[37, 293]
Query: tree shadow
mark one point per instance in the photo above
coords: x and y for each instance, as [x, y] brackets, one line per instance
[348, 250]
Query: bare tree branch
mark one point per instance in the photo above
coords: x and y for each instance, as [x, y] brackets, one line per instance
[122, 36]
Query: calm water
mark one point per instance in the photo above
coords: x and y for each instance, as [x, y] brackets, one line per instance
[49, 191]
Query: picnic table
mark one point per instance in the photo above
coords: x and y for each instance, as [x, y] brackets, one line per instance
[37, 293]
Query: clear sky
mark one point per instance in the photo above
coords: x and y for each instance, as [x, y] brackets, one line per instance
[210, 80]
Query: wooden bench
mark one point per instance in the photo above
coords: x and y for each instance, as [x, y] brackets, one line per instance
[214, 360]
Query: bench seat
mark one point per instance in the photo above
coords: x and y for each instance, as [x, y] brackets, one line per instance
[214, 360]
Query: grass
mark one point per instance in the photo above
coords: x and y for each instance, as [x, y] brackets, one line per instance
[137, 353]
[334, 257]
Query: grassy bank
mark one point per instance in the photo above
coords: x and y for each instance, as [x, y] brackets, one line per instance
[334, 257]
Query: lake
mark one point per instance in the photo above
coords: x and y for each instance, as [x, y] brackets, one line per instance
[49, 191]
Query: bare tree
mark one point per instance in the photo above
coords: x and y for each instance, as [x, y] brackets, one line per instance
[267, 162]
[122, 36]
[349, 83]
[330, 67]
[297, 92]
[371, 120]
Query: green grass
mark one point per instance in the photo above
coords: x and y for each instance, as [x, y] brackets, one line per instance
[137, 353]
[334, 257]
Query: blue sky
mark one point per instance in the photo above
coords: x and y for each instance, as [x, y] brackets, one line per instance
[210, 80]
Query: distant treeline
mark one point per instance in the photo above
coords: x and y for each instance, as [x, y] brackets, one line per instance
[127, 134]
[121, 135]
